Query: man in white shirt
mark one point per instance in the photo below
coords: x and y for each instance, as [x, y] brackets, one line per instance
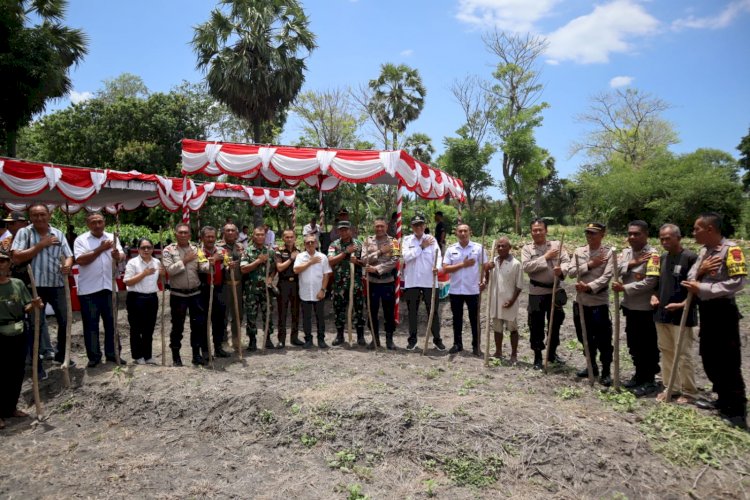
[270, 236]
[94, 252]
[243, 236]
[463, 260]
[314, 273]
[312, 229]
[422, 261]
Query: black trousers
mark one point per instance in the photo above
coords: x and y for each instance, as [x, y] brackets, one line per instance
[180, 307]
[599, 333]
[720, 351]
[412, 296]
[288, 301]
[643, 346]
[55, 297]
[142, 310]
[218, 314]
[12, 368]
[457, 308]
[539, 311]
[383, 293]
[309, 308]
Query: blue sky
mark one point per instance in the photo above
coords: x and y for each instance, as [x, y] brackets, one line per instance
[690, 53]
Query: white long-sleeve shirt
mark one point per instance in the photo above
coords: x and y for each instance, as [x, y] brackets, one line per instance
[418, 262]
[97, 275]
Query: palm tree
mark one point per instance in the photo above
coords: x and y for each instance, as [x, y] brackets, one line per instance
[254, 58]
[397, 99]
[34, 61]
[420, 146]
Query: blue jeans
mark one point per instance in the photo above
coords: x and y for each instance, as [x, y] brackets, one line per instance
[94, 306]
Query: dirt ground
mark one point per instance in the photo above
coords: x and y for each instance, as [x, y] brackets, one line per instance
[345, 423]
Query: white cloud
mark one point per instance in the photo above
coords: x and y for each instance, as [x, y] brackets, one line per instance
[621, 81]
[593, 37]
[721, 20]
[508, 15]
[407, 52]
[78, 97]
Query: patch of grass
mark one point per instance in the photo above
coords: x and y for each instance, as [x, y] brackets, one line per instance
[354, 492]
[308, 441]
[743, 302]
[430, 464]
[624, 401]
[684, 437]
[343, 460]
[430, 485]
[567, 393]
[295, 409]
[573, 345]
[67, 405]
[266, 417]
[432, 373]
[471, 470]
[496, 362]
[362, 472]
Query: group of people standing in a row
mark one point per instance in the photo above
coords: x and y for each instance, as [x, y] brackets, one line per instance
[241, 278]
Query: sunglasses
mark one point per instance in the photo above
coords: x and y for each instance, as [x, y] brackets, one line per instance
[146, 248]
[309, 243]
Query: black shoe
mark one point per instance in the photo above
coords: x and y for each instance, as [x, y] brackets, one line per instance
[270, 344]
[297, 342]
[92, 363]
[220, 353]
[280, 345]
[706, 404]
[439, 345]
[629, 384]
[476, 352]
[411, 346]
[455, 349]
[112, 359]
[371, 346]
[584, 373]
[322, 344]
[645, 389]
[537, 360]
[338, 340]
[390, 345]
[198, 360]
[176, 359]
[361, 339]
[739, 421]
[605, 380]
[251, 348]
[307, 344]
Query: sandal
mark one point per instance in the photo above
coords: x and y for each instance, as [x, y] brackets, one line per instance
[20, 414]
[685, 400]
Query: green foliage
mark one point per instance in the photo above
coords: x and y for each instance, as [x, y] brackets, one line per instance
[327, 119]
[266, 417]
[430, 485]
[420, 147]
[667, 189]
[256, 45]
[567, 393]
[472, 470]
[465, 159]
[685, 437]
[355, 492]
[397, 99]
[308, 441]
[624, 401]
[343, 460]
[744, 163]
[34, 61]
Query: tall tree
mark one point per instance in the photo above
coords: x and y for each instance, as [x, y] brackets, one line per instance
[744, 148]
[397, 99]
[478, 105]
[34, 61]
[327, 119]
[626, 124]
[464, 159]
[516, 90]
[420, 147]
[254, 57]
[124, 85]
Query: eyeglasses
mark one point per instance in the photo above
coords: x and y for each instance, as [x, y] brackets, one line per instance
[309, 243]
[146, 248]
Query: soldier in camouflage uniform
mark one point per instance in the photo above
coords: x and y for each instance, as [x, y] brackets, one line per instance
[341, 253]
[381, 255]
[230, 245]
[253, 266]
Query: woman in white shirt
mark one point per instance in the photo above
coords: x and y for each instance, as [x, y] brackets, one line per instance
[141, 278]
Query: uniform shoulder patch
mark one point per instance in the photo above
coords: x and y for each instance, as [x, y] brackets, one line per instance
[653, 266]
[736, 265]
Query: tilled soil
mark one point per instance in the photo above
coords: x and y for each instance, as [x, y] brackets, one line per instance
[340, 422]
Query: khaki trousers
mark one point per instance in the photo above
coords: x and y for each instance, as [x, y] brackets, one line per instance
[667, 335]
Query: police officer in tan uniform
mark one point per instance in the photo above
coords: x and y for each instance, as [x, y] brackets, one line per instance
[715, 278]
[380, 255]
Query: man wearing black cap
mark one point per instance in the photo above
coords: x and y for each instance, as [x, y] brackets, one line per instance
[592, 291]
[716, 277]
[419, 251]
[381, 253]
[341, 253]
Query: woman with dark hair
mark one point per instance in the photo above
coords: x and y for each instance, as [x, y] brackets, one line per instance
[141, 278]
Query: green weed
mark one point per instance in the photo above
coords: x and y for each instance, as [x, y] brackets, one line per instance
[569, 393]
[267, 417]
[355, 492]
[685, 437]
[308, 441]
[471, 470]
[343, 460]
[623, 401]
[430, 485]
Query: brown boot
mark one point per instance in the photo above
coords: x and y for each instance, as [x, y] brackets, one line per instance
[513, 347]
[498, 345]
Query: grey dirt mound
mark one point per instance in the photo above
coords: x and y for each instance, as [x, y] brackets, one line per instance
[343, 423]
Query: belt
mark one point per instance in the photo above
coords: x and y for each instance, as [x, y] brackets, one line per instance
[142, 294]
[540, 284]
[185, 292]
[291, 278]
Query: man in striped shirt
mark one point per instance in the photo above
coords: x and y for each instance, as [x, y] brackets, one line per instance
[43, 245]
